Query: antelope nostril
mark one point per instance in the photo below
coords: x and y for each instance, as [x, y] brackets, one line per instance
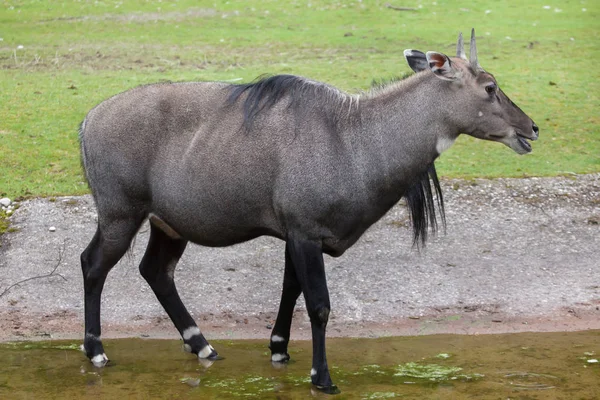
[535, 128]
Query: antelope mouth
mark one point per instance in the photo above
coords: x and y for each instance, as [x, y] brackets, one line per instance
[523, 142]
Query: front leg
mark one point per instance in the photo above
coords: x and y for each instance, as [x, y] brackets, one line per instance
[307, 259]
[280, 336]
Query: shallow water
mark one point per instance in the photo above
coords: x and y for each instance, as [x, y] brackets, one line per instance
[511, 366]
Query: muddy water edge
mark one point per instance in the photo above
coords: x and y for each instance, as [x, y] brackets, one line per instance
[509, 366]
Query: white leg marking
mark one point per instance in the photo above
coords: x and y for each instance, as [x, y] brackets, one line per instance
[277, 357]
[205, 352]
[100, 360]
[313, 372]
[187, 348]
[277, 338]
[190, 332]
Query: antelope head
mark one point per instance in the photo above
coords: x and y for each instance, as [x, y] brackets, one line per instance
[476, 104]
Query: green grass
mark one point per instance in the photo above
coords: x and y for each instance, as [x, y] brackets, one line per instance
[4, 223]
[77, 53]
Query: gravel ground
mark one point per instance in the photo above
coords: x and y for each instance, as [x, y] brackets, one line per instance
[519, 254]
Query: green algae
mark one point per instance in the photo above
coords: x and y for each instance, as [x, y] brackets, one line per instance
[431, 372]
[44, 345]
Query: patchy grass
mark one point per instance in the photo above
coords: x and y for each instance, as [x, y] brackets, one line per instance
[61, 59]
[4, 223]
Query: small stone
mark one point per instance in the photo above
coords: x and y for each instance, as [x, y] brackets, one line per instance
[5, 202]
[52, 229]
[592, 361]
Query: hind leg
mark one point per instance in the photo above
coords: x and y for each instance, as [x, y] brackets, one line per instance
[108, 245]
[158, 268]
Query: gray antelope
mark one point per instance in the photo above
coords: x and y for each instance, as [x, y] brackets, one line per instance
[218, 164]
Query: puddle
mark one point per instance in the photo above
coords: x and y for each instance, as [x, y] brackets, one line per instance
[512, 366]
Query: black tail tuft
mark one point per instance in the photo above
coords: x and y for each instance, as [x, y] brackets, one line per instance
[419, 198]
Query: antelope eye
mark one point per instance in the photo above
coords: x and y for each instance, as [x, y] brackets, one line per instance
[491, 88]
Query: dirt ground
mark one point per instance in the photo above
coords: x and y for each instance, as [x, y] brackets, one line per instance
[518, 255]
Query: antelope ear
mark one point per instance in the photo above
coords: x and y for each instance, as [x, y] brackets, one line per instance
[416, 60]
[441, 66]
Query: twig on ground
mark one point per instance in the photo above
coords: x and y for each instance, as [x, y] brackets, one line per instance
[52, 273]
[388, 5]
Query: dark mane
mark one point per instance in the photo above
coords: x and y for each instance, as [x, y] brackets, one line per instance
[303, 93]
[419, 198]
[378, 84]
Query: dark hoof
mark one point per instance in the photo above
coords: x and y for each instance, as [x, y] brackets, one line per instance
[328, 389]
[210, 360]
[208, 353]
[215, 357]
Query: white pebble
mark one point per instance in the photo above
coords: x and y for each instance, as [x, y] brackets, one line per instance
[592, 361]
[5, 202]
[52, 229]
